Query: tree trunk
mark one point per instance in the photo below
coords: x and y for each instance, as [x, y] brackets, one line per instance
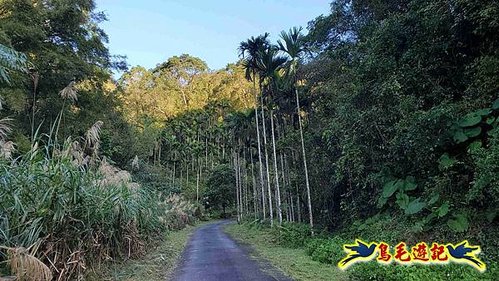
[187, 175]
[285, 185]
[159, 152]
[307, 184]
[255, 195]
[260, 165]
[197, 181]
[271, 214]
[237, 185]
[206, 153]
[181, 174]
[241, 185]
[245, 184]
[288, 208]
[276, 170]
[173, 178]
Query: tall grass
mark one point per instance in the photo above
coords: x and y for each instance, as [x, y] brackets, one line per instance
[77, 215]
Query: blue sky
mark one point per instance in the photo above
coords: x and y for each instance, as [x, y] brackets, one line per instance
[149, 32]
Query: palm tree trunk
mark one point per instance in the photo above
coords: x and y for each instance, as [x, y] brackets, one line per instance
[255, 195]
[307, 184]
[285, 185]
[241, 183]
[240, 186]
[206, 152]
[180, 179]
[159, 153]
[187, 175]
[245, 184]
[271, 214]
[276, 170]
[173, 178]
[259, 152]
[218, 151]
[197, 181]
[298, 205]
[237, 185]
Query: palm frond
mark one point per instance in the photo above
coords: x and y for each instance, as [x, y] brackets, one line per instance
[269, 62]
[10, 60]
[291, 42]
[249, 51]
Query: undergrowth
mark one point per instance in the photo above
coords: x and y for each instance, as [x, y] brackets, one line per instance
[73, 215]
[327, 248]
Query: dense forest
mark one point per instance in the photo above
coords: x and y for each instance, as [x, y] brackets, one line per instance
[380, 121]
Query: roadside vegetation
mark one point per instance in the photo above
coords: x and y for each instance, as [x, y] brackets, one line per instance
[291, 248]
[294, 262]
[157, 265]
[68, 206]
[62, 216]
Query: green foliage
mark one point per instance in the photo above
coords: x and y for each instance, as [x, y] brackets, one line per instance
[408, 204]
[220, 188]
[495, 105]
[459, 223]
[443, 210]
[295, 263]
[486, 183]
[154, 177]
[390, 188]
[415, 206]
[292, 235]
[10, 60]
[53, 203]
[328, 251]
[470, 120]
[385, 99]
[445, 161]
[375, 271]
[397, 105]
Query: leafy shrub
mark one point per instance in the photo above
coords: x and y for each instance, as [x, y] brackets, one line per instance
[153, 177]
[292, 235]
[325, 250]
[485, 187]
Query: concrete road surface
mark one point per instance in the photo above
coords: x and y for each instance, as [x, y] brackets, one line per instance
[211, 255]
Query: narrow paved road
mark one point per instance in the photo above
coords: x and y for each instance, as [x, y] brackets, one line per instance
[211, 255]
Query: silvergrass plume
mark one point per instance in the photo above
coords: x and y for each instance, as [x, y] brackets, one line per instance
[26, 266]
[5, 127]
[69, 92]
[7, 148]
[93, 135]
